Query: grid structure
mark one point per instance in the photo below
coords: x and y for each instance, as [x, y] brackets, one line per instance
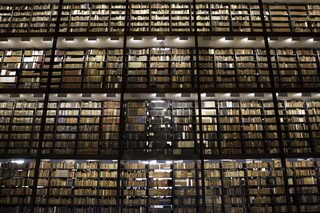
[126, 155]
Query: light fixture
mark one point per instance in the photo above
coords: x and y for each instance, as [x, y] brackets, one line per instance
[161, 38]
[183, 38]
[135, 95]
[296, 39]
[86, 95]
[17, 161]
[185, 95]
[92, 38]
[235, 95]
[306, 94]
[252, 38]
[114, 38]
[47, 39]
[206, 38]
[69, 39]
[137, 38]
[260, 95]
[274, 38]
[38, 95]
[25, 39]
[4, 39]
[157, 101]
[161, 95]
[210, 95]
[229, 38]
[111, 95]
[62, 95]
[283, 94]
[15, 95]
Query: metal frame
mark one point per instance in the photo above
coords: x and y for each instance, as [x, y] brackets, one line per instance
[273, 90]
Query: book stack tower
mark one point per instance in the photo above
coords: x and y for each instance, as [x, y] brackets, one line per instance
[191, 106]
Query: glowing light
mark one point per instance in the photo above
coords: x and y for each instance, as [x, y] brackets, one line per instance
[18, 161]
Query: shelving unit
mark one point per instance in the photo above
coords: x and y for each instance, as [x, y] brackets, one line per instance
[314, 13]
[160, 68]
[25, 69]
[292, 17]
[65, 185]
[233, 68]
[228, 17]
[44, 17]
[104, 124]
[244, 185]
[157, 17]
[93, 17]
[87, 68]
[303, 185]
[21, 126]
[171, 129]
[17, 177]
[75, 128]
[234, 127]
[150, 185]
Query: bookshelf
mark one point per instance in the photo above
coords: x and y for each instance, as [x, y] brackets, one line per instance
[150, 185]
[21, 18]
[309, 67]
[24, 68]
[77, 128]
[160, 68]
[184, 127]
[65, 185]
[244, 185]
[303, 184]
[6, 16]
[250, 75]
[113, 146]
[134, 188]
[28, 18]
[160, 127]
[240, 16]
[213, 186]
[313, 112]
[295, 127]
[238, 127]
[295, 68]
[21, 126]
[287, 67]
[314, 13]
[227, 17]
[186, 186]
[92, 17]
[140, 17]
[181, 17]
[220, 17]
[233, 68]
[17, 177]
[299, 123]
[299, 18]
[87, 68]
[159, 17]
[44, 17]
